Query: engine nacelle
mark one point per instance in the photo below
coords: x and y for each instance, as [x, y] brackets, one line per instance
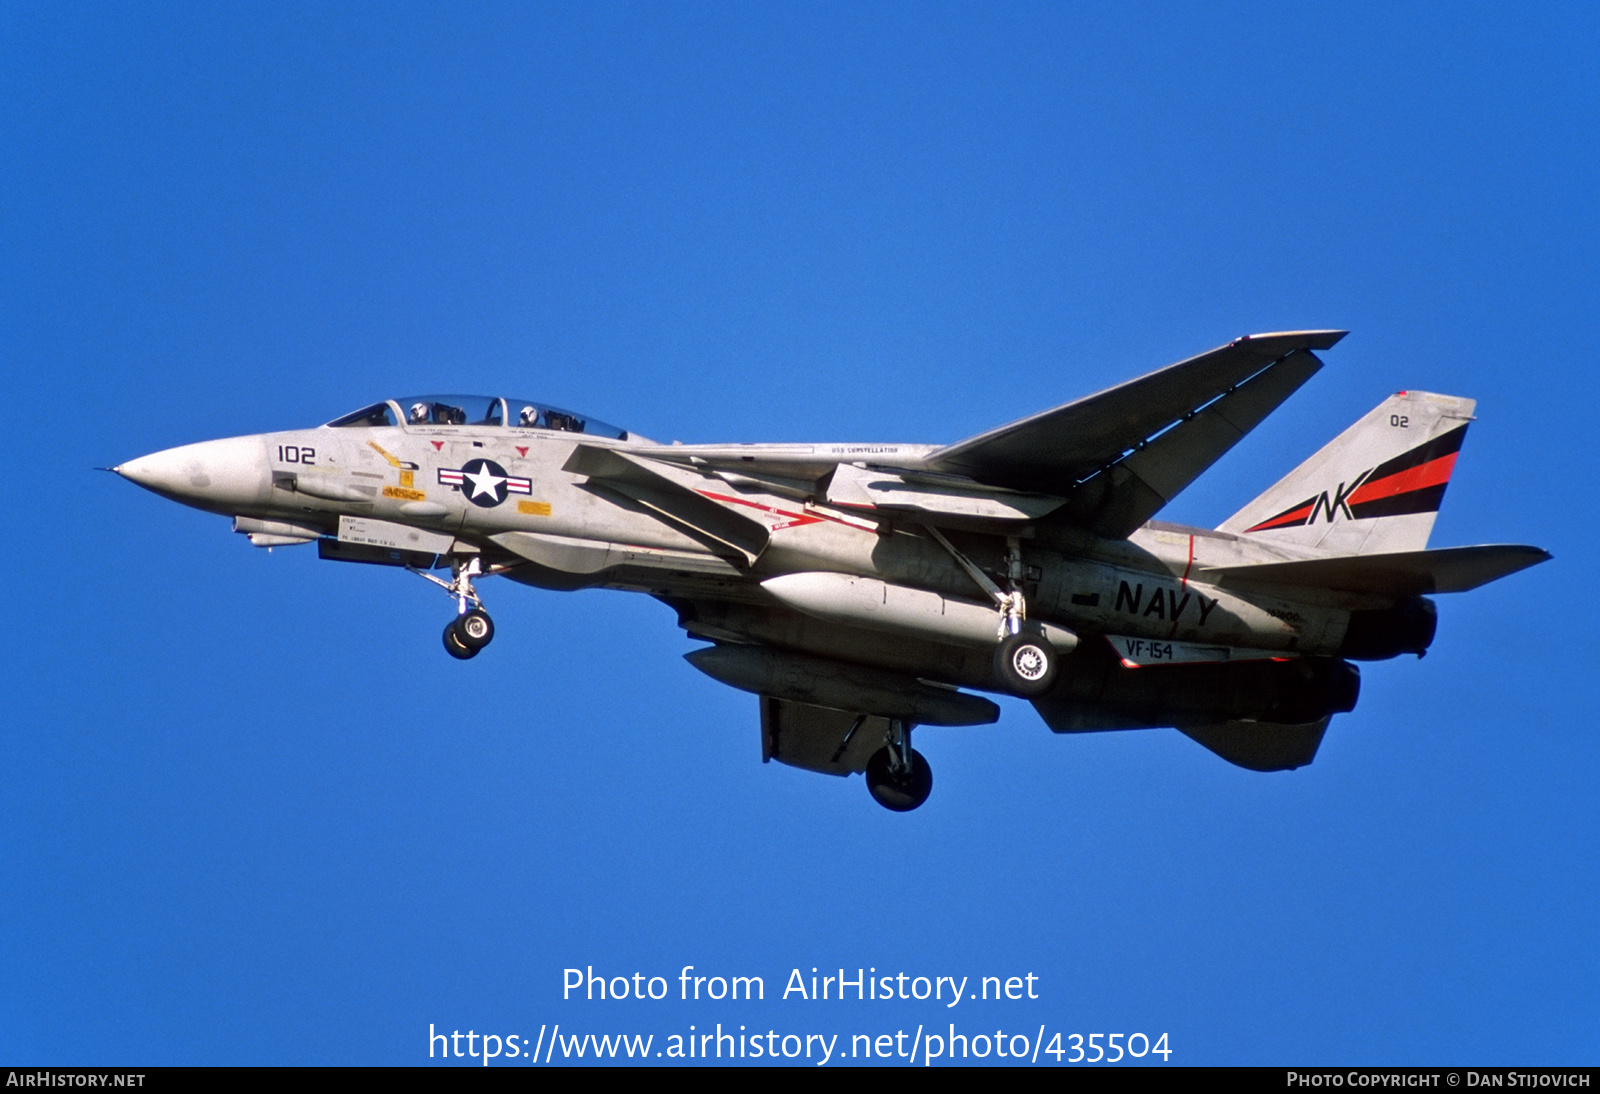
[1287, 692]
[1382, 633]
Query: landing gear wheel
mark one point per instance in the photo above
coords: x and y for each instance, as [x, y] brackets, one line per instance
[1026, 664]
[900, 791]
[454, 645]
[475, 629]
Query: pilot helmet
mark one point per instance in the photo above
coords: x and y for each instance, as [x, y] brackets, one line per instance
[529, 416]
[419, 412]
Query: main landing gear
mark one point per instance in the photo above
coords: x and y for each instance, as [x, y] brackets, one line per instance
[1024, 661]
[898, 777]
[471, 629]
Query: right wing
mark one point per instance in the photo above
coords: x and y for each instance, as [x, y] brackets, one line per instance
[834, 742]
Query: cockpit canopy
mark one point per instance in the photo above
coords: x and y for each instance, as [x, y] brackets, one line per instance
[491, 411]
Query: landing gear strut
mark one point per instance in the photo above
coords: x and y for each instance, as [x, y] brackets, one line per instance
[1024, 660]
[471, 629]
[897, 775]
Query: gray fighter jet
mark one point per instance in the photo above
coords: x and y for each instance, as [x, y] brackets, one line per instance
[859, 588]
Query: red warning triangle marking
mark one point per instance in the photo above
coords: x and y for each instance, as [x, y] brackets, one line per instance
[438, 446]
[522, 450]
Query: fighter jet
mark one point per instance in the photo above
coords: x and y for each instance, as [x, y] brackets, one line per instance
[864, 590]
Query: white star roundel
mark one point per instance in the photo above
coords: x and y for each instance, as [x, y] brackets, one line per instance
[484, 482]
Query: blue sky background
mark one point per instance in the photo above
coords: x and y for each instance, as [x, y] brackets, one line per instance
[254, 814]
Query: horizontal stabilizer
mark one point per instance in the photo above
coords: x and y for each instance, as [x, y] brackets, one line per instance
[1050, 451]
[1260, 746]
[1257, 746]
[1405, 573]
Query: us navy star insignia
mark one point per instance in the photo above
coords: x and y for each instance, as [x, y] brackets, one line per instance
[489, 483]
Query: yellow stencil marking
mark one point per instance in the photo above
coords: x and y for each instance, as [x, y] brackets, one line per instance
[392, 461]
[534, 508]
[406, 479]
[403, 494]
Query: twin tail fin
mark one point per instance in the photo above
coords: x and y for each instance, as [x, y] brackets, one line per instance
[1374, 489]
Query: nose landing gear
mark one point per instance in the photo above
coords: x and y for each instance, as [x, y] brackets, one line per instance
[471, 629]
[468, 633]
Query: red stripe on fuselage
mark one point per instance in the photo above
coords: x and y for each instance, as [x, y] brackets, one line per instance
[1183, 584]
[792, 520]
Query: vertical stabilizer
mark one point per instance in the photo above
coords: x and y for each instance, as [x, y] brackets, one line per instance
[1374, 488]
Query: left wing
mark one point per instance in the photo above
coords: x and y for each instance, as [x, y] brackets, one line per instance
[1116, 458]
[1125, 452]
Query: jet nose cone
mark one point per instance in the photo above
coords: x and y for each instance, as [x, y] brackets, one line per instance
[217, 475]
[157, 471]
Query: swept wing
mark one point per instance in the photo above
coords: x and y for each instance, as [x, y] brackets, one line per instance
[1125, 452]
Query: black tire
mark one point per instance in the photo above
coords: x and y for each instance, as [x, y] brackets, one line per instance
[453, 644]
[1026, 664]
[474, 629]
[903, 792]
